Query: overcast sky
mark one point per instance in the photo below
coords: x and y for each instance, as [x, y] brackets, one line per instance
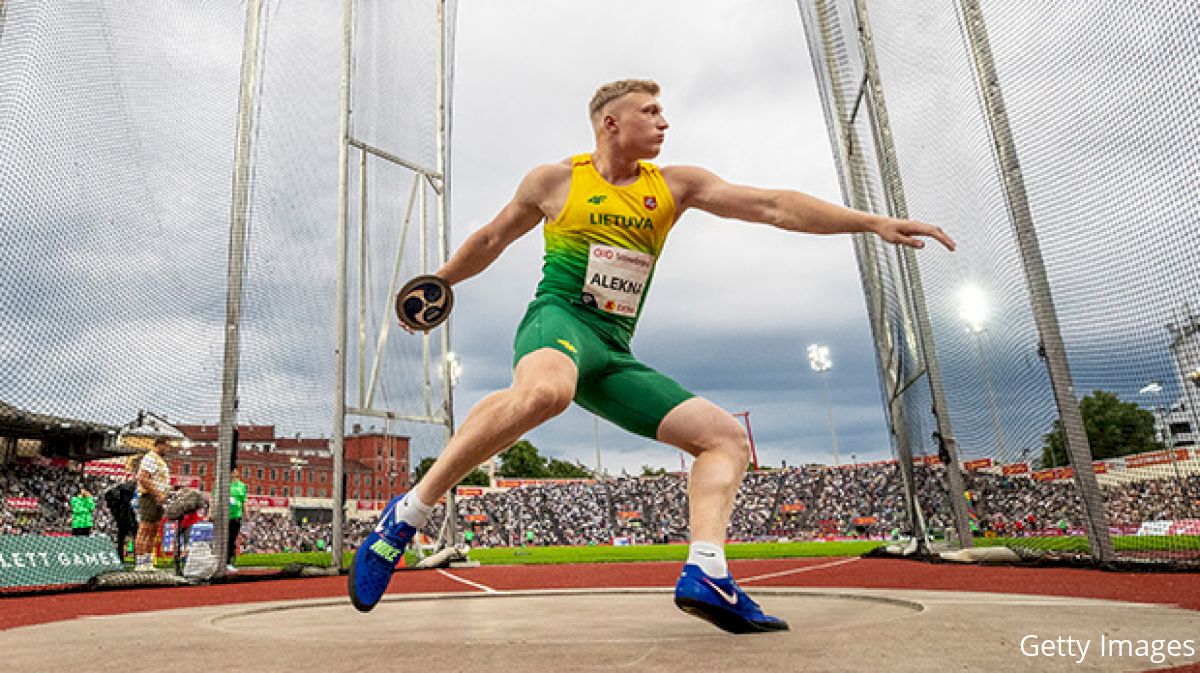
[118, 209]
[116, 147]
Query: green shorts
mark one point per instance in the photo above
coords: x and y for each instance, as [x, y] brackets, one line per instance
[612, 383]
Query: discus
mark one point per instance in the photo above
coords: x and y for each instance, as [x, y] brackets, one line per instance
[424, 303]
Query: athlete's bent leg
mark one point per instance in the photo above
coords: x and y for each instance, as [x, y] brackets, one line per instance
[722, 452]
[705, 588]
[543, 386]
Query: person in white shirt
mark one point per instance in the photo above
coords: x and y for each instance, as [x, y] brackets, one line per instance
[153, 479]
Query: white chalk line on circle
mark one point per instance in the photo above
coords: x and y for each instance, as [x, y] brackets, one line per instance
[482, 587]
[793, 571]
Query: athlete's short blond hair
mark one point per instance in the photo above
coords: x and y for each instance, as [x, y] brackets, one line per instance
[614, 90]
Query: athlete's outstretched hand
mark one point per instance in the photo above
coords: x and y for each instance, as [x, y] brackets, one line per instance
[906, 232]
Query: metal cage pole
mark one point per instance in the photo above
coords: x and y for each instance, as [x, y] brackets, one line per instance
[443, 224]
[840, 116]
[337, 442]
[910, 270]
[227, 437]
[1037, 282]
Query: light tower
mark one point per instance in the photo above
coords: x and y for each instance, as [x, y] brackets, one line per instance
[974, 311]
[821, 363]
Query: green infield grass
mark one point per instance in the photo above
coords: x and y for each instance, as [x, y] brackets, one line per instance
[746, 550]
[594, 554]
[1121, 543]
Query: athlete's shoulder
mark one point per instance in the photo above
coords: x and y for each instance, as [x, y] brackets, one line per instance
[544, 180]
[549, 173]
[684, 181]
[684, 173]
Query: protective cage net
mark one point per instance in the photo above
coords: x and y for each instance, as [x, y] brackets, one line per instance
[1101, 108]
[118, 126]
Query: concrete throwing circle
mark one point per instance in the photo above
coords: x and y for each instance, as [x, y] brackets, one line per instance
[624, 629]
[542, 618]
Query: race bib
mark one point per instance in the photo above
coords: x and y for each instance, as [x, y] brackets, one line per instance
[616, 279]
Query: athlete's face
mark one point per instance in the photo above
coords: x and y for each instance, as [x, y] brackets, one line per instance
[641, 126]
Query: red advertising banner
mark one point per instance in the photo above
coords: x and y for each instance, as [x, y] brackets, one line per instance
[1185, 527]
[261, 501]
[1155, 458]
[106, 469]
[469, 491]
[1064, 472]
[629, 514]
[865, 520]
[370, 505]
[1043, 475]
[517, 483]
[186, 482]
[1100, 467]
[1015, 468]
[476, 518]
[21, 504]
[972, 465]
[790, 507]
[927, 460]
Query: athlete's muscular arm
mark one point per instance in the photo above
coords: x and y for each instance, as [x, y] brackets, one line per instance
[789, 210]
[521, 214]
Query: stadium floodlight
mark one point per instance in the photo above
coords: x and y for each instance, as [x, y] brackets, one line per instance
[973, 307]
[818, 358]
[821, 363]
[453, 367]
[1162, 426]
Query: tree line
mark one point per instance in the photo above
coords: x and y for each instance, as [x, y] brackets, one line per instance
[520, 461]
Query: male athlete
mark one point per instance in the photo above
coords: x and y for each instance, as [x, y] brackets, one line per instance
[607, 217]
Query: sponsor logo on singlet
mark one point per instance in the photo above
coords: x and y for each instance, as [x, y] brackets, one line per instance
[615, 279]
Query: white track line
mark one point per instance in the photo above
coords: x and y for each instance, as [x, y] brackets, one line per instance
[482, 587]
[793, 571]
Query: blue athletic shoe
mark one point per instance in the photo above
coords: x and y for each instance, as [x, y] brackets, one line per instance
[721, 602]
[376, 559]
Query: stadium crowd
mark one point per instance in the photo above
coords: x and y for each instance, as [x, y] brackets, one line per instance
[795, 503]
[805, 503]
[53, 488]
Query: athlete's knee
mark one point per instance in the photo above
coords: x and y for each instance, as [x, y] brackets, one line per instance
[729, 440]
[736, 446]
[545, 400]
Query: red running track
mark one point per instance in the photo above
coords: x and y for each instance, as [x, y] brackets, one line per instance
[1164, 588]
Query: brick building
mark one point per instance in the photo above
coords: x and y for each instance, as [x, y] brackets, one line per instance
[376, 464]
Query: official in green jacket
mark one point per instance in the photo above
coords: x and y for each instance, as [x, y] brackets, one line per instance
[83, 508]
[237, 505]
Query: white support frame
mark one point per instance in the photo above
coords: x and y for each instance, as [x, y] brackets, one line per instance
[425, 179]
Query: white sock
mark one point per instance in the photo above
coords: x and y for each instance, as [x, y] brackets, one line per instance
[710, 557]
[412, 511]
